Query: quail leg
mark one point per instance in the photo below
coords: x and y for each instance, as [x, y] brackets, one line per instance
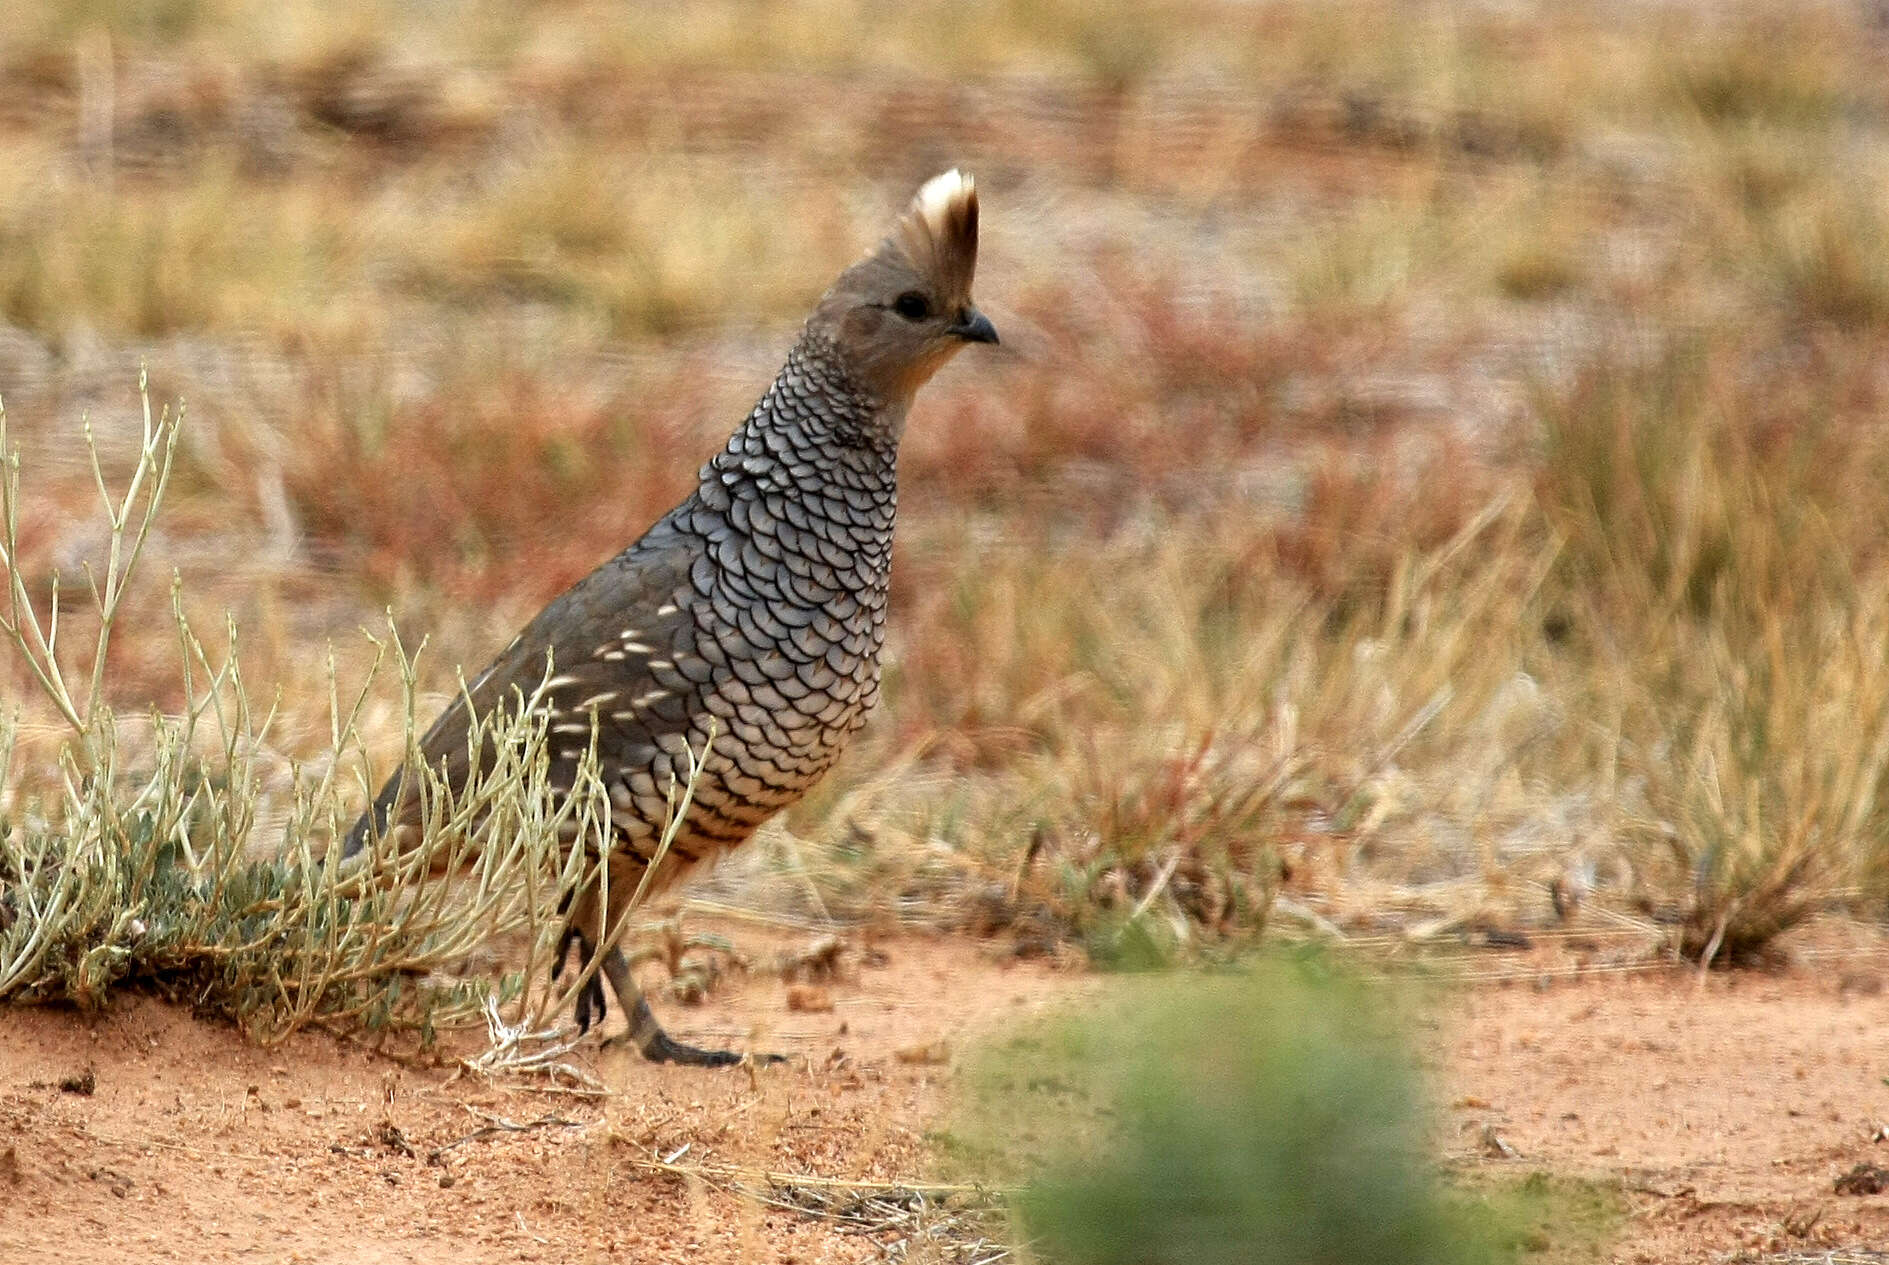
[590, 1001]
[656, 1045]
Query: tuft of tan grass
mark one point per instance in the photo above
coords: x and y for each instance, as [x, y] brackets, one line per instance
[1711, 555]
[151, 863]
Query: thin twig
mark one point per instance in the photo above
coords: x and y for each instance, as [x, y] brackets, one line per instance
[497, 1125]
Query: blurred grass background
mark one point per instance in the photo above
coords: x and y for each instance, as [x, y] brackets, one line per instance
[1434, 481]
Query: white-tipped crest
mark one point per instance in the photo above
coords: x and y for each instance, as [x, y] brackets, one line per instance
[939, 234]
[942, 197]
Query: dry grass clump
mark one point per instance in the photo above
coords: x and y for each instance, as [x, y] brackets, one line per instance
[1718, 561]
[1829, 260]
[178, 858]
[593, 235]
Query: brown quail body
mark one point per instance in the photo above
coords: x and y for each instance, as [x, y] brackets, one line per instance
[748, 621]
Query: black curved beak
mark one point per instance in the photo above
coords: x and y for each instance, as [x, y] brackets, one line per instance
[973, 327]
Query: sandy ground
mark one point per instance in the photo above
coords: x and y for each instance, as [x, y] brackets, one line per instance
[194, 1146]
[1725, 1107]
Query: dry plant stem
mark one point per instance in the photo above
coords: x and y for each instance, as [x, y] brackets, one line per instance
[516, 1049]
[498, 1124]
[38, 644]
[738, 1177]
[155, 459]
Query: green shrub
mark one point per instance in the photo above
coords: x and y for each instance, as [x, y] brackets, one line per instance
[1272, 1115]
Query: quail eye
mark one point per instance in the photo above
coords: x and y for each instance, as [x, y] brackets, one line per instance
[912, 305]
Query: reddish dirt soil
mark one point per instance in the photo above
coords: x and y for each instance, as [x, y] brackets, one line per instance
[1726, 1109]
[194, 1146]
[1726, 1105]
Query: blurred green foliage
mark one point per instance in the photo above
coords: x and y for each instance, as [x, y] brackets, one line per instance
[1270, 1115]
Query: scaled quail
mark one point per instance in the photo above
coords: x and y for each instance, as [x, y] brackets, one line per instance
[756, 606]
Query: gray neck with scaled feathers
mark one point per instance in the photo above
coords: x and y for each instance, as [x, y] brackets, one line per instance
[812, 477]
